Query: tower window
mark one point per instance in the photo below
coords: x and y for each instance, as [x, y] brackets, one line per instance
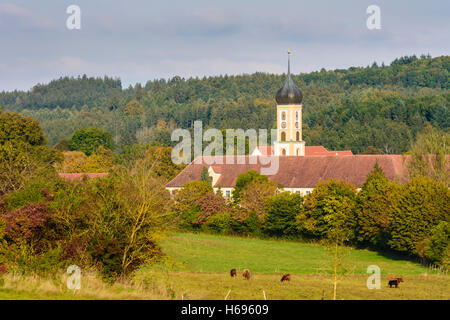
[297, 136]
[283, 136]
[283, 115]
[283, 152]
[297, 119]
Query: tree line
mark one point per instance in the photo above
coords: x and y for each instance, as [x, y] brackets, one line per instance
[377, 109]
[112, 225]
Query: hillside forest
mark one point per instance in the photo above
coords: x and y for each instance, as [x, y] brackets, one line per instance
[376, 109]
[113, 225]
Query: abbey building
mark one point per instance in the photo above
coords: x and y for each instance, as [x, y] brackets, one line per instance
[299, 167]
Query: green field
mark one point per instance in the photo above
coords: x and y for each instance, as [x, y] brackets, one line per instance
[215, 254]
[197, 267]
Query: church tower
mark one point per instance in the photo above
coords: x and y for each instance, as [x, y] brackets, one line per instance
[289, 118]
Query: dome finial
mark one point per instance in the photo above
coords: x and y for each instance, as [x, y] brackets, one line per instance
[289, 93]
[289, 62]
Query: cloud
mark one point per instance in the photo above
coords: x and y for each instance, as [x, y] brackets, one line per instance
[15, 18]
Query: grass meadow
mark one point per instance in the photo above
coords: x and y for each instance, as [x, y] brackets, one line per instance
[197, 267]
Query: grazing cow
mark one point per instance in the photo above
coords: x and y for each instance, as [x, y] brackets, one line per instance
[286, 277]
[246, 274]
[233, 273]
[394, 281]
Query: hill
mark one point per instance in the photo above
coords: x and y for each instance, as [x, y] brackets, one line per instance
[377, 109]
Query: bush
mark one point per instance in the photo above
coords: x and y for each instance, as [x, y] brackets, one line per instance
[374, 209]
[328, 208]
[219, 223]
[36, 192]
[185, 206]
[423, 203]
[438, 244]
[26, 225]
[88, 140]
[282, 210]
[21, 163]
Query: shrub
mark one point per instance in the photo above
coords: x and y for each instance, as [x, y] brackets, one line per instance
[209, 204]
[282, 210]
[253, 198]
[185, 206]
[21, 163]
[423, 203]
[243, 180]
[436, 246]
[374, 208]
[36, 192]
[219, 223]
[26, 225]
[330, 207]
[88, 140]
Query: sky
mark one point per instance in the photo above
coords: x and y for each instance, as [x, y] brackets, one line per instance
[141, 40]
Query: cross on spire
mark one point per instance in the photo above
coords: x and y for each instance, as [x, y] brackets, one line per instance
[289, 61]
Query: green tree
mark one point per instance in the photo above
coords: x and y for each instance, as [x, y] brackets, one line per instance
[437, 246]
[205, 176]
[158, 160]
[133, 108]
[331, 205]
[23, 155]
[281, 213]
[429, 155]
[423, 203]
[374, 208]
[17, 128]
[186, 207]
[243, 180]
[253, 199]
[89, 139]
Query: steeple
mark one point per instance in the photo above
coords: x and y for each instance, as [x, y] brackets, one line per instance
[289, 93]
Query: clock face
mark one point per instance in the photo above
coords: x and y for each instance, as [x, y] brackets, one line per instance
[297, 125]
[283, 125]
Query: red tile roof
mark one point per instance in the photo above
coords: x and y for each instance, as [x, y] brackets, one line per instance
[80, 176]
[265, 150]
[309, 151]
[300, 172]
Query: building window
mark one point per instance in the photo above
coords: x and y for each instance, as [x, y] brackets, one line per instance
[297, 136]
[283, 123]
[228, 194]
[283, 152]
[298, 151]
[283, 136]
[308, 192]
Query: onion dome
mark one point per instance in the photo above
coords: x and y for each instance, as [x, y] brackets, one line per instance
[289, 93]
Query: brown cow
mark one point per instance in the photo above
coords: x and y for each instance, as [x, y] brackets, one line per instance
[286, 277]
[246, 274]
[394, 281]
[233, 273]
